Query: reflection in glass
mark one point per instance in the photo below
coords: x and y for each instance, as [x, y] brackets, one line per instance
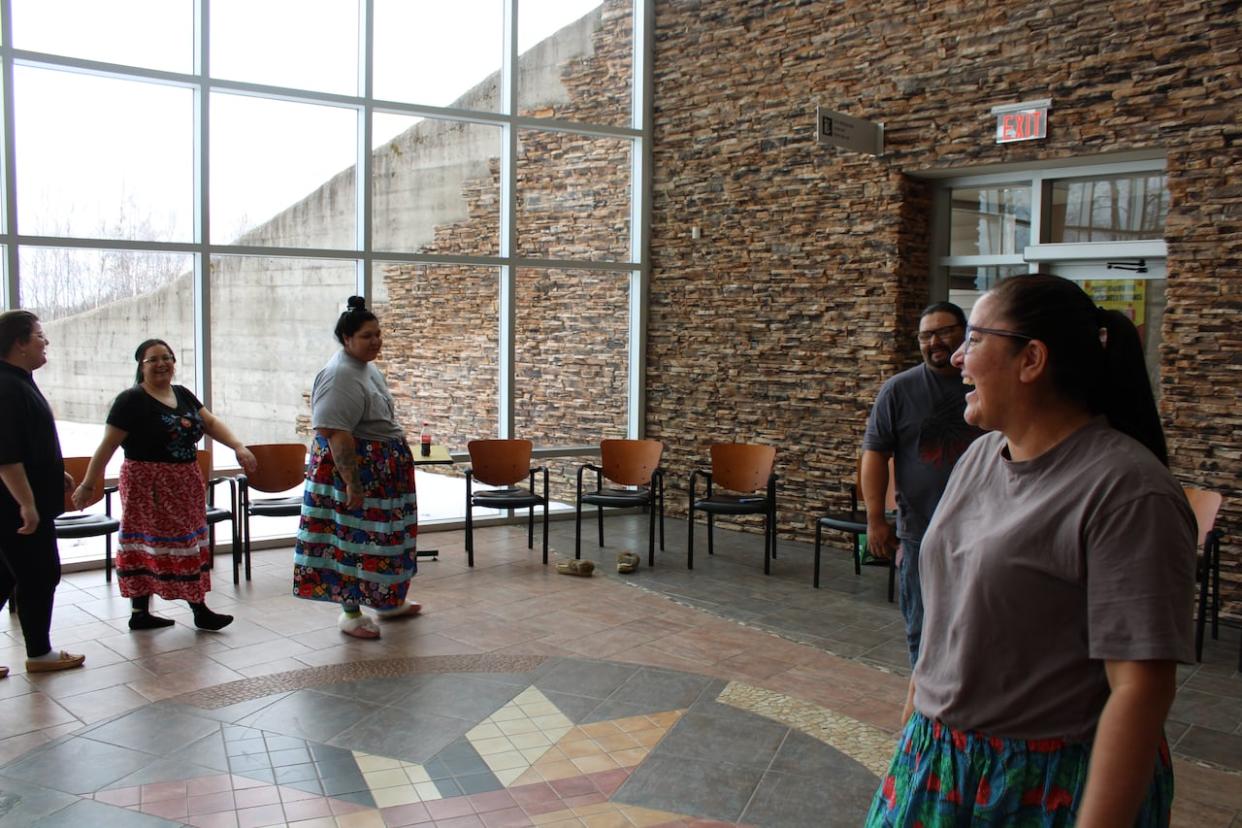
[439, 54]
[571, 364]
[303, 44]
[282, 173]
[274, 336]
[153, 34]
[96, 306]
[576, 60]
[441, 338]
[435, 187]
[967, 284]
[103, 158]
[989, 221]
[1110, 209]
[573, 196]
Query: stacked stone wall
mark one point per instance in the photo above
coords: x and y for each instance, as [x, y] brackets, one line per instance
[801, 296]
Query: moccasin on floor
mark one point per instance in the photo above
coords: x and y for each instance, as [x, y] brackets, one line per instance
[4, 672]
[576, 567]
[627, 562]
[66, 661]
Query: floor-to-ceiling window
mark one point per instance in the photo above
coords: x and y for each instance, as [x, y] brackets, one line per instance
[223, 174]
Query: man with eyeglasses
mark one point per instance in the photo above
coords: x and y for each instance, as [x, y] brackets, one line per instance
[917, 421]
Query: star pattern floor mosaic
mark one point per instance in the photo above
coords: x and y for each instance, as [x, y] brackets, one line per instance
[573, 742]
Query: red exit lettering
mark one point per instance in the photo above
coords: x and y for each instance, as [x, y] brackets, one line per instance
[1025, 125]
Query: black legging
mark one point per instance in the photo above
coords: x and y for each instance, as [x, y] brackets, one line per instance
[30, 567]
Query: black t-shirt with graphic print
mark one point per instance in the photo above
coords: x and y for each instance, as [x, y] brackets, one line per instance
[157, 433]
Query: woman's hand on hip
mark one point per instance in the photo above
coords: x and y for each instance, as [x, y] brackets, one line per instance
[353, 496]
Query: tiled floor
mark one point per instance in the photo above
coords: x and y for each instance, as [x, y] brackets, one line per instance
[520, 697]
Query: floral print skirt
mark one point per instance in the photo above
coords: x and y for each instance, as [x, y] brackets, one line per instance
[942, 777]
[367, 555]
[164, 548]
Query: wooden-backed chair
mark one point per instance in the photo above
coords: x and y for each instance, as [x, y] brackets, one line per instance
[502, 463]
[854, 522]
[634, 466]
[82, 524]
[281, 467]
[745, 472]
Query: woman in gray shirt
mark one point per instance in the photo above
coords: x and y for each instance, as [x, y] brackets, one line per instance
[359, 525]
[1058, 581]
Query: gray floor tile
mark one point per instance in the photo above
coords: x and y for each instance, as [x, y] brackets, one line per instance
[596, 679]
[293, 756]
[232, 713]
[1223, 749]
[295, 773]
[801, 755]
[460, 758]
[460, 696]
[660, 690]
[78, 766]
[164, 770]
[374, 691]
[474, 783]
[208, 751]
[403, 733]
[711, 790]
[154, 730]
[343, 784]
[309, 715]
[576, 708]
[749, 741]
[87, 812]
[615, 708]
[794, 802]
[362, 798]
[22, 804]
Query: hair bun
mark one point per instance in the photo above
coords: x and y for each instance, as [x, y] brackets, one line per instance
[356, 303]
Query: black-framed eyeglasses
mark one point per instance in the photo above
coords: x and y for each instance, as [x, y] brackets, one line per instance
[940, 333]
[974, 329]
[160, 358]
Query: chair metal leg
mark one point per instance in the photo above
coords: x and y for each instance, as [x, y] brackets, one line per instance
[1215, 570]
[578, 526]
[651, 531]
[1201, 614]
[530, 528]
[690, 537]
[108, 558]
[711, 533]
[892, 579]
[819, 542]
[469, 527]
[547, 507]
[767, 543]
[661, 513]
[857, 555]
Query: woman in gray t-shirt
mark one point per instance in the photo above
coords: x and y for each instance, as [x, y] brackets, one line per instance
[359, 525]
[1058, 581]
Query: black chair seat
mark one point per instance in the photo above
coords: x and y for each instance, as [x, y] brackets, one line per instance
[215, 514]
[620, 498]
[85, 525]
[511, 498]
[855, 521]
[276, 506]
[732, 504]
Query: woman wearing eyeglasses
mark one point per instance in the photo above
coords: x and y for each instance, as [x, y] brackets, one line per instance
[1058, 579]
[164, 535]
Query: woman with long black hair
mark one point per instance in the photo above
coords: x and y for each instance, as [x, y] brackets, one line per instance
[1058, 580]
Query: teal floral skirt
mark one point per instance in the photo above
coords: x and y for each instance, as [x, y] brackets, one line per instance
[360, 556]
[942, 777]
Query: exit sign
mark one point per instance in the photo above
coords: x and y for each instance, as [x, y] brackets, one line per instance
[1026, 121]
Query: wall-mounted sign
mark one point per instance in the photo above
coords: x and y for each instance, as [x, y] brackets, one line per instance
[847, 132]
[1026, 121]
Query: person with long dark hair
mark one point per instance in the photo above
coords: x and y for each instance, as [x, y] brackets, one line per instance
[359, 526]
[1058, 582]
[164, 537]
[32, 494]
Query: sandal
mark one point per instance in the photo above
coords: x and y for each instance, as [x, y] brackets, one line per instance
[404, 611]
[576, 567]
[627, 562]
[64, 661]
[4, 672]
[359, 626]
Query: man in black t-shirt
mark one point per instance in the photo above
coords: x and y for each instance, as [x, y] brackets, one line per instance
[33, 491]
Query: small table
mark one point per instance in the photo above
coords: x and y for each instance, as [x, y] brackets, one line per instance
[439, 457]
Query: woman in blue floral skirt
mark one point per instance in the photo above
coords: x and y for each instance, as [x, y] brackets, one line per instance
[357, 536]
